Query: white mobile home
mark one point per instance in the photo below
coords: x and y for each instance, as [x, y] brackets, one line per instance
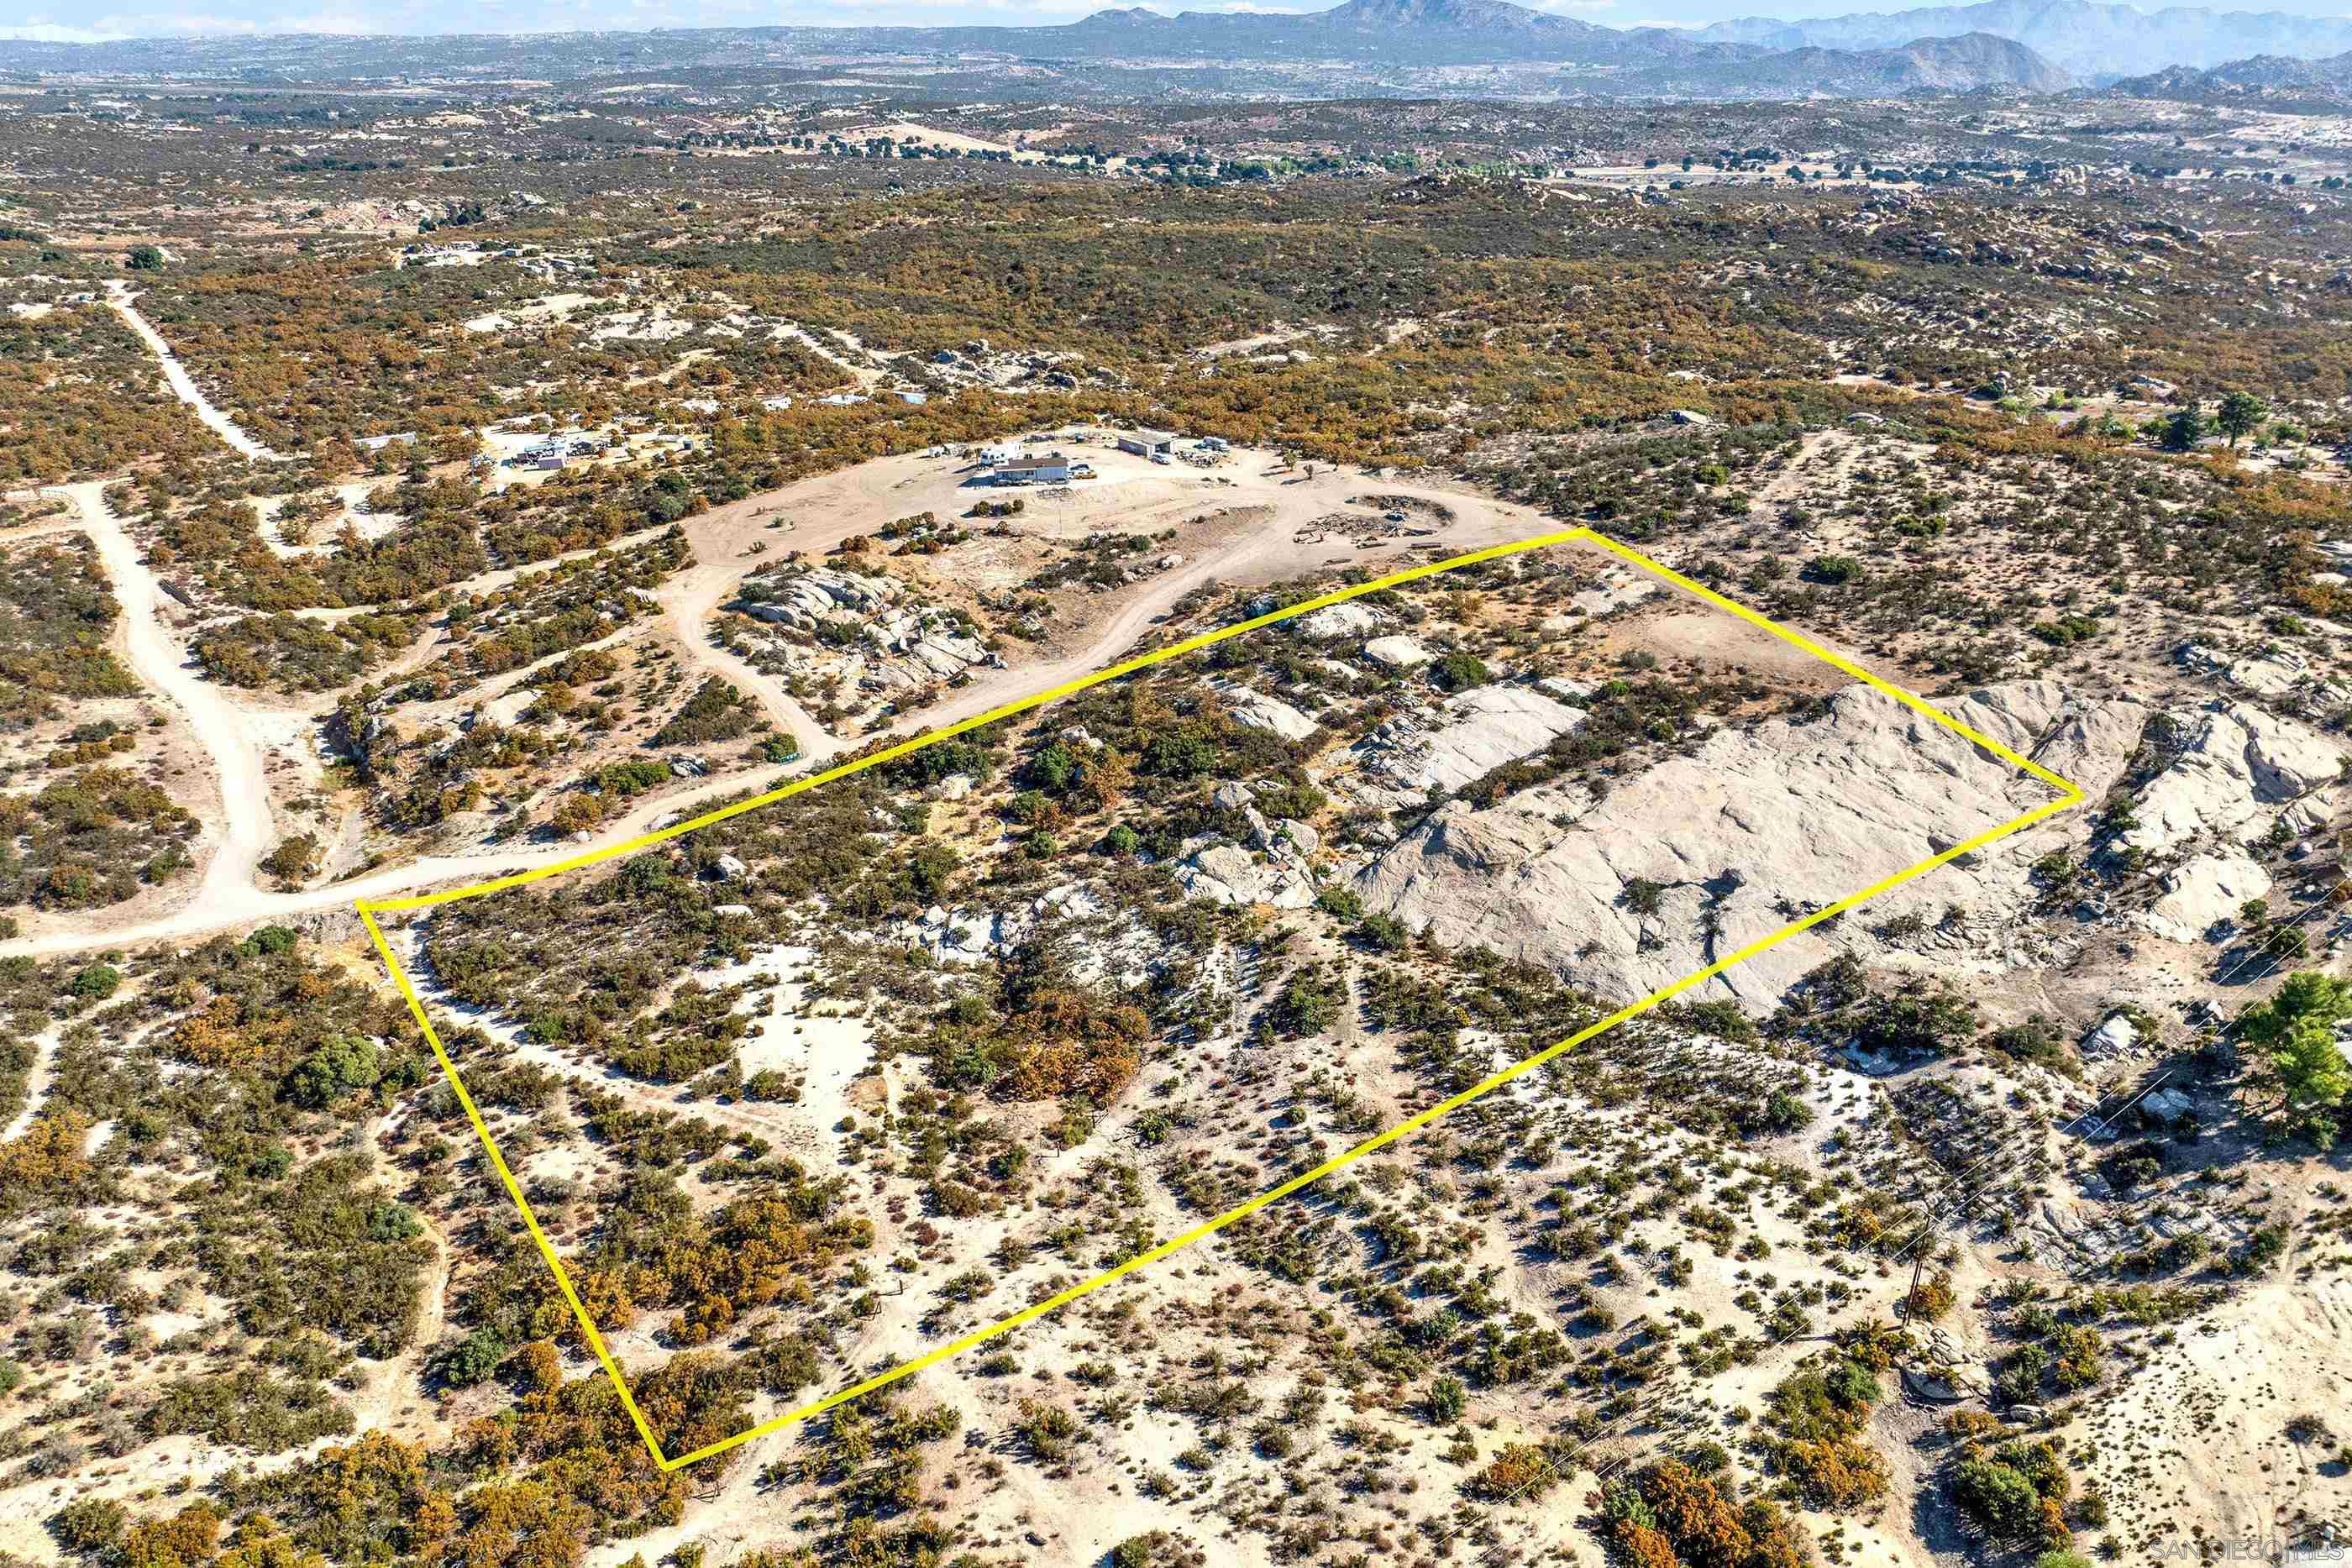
[1146, 443]
[1052, 468]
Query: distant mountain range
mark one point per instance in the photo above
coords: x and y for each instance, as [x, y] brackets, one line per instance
[1395, 41]
[2000, 44]
[2096, 42]
[1429, 32]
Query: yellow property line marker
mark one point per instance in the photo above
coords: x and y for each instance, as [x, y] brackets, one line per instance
[2069, 795]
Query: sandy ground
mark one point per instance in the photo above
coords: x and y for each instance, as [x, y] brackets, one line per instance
[37, 1082]
[238, 826]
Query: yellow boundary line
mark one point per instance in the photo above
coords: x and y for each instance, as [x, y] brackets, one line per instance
[2069, 795]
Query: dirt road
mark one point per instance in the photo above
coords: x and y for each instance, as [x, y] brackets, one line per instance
[829, 510]
[183, 385]
[691, 597]
[242, 817]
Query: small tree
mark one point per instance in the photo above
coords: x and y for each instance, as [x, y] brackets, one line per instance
[2314, 1079]
[2184, 430]
[2241, 414]
[578, 812]
[96, 983]
[145, 258]
[294, 861]
[2308, 994]
[90, 1524]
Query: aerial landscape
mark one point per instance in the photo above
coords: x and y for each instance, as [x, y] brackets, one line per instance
[1422, 782]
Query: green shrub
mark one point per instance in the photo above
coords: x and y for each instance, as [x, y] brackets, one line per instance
[1459, 672]
[96, 983]
[1343, 902]
[90, 1523]
[717, 711]
[473, 1359]
[342, 1066]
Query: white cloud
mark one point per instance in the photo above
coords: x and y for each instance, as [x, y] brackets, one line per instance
[184, 25]
[45, 32]
[962, 12]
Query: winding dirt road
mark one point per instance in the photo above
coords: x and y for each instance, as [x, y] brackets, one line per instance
[228, 897]
[691, 597]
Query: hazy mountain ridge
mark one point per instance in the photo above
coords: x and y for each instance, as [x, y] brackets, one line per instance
[1431, 31]
[2091, 39]
[2262, 74]
[1975, 62]
[2096, 42]
[1389, 39]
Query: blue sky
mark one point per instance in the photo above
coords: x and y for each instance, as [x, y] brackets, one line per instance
[158, 18]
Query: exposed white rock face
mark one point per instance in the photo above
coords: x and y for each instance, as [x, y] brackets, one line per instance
[955, 786]
[1071, 902]
[1618, 586]
[968, 936]
[813, 596]
[1353, 619]
[1469, 736]
[507, 711]
[2203, 893]
[1228, 873]
[899, 648]
[2118, 1037]
[1259, 711]
[961, 937]
[2238, 767]
[1755, 825]
[2272, 673]
[1398, 653]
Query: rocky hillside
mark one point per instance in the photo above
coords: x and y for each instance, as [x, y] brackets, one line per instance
[2260, 75]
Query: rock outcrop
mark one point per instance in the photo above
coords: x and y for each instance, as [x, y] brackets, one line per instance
[2204, 893]
[896, 646]
[1469, 736]
[1728, 844]
[2238, 765]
